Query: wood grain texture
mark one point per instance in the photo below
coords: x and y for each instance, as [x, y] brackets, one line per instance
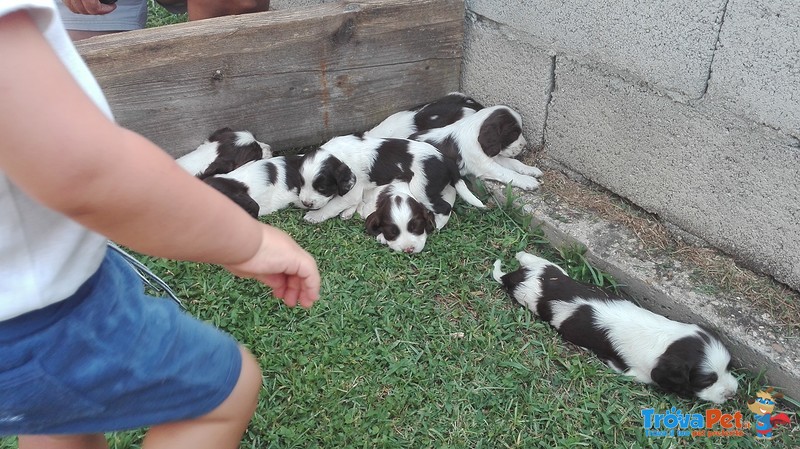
[293, 77]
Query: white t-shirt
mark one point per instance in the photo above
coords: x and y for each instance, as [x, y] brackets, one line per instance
[44, 256]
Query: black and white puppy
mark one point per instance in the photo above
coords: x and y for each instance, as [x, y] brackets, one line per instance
[436, 114]
[485, 144]
[396, 219]
[262, 187]
[224, 151]
[338, 174]
[684, 359]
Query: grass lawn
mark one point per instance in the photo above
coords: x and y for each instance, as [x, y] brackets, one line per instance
[424, 350]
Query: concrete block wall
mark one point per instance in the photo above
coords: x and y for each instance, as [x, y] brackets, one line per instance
[691, 110]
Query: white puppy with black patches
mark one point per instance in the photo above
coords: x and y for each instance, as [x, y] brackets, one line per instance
[224, 151]
[485, 145]
[262, 187]
[338, 174]
[398, 220]
[681, 358]
[436, 114]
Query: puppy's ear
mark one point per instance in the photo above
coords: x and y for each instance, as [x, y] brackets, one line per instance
[218, 167]
[490, 140]
[373, 224]
[499, 130]
[672, 374]
[345, 178]
[247, 203]
[700, 381]
[236, 191]
[247, 153]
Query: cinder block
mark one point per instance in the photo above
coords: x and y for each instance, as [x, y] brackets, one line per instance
[733, 183]
[500, 68]
[756, 69]
[669, 43]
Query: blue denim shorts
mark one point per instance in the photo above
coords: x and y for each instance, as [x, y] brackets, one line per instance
[111, 358]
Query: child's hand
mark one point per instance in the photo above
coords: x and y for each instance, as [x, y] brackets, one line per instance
[283, 265]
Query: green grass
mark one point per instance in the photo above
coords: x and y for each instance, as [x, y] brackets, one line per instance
[424, 350]
[158, 16]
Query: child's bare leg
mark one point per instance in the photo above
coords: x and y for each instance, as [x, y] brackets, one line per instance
[94, 441]
[223, 427]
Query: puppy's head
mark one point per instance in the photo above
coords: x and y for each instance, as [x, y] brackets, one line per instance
[324, 176]
[234, 149]
[400, 222]
[444, 111]
[237, 191]
[697, 365]
[500, 131]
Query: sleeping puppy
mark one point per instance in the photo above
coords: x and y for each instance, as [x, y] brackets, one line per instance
[484, 144]
[338, 174]
[685, 359]
[262, 187]
[442, 112]
[396, 219]
[224, 151]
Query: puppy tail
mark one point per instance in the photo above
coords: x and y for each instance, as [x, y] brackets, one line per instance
[497, 273]
[464, 192]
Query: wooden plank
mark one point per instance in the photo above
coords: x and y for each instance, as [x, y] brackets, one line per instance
[294, 77]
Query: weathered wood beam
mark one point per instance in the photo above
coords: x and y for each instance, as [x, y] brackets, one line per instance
[294, 77]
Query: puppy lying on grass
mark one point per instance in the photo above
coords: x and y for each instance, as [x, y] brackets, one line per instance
[684, 359]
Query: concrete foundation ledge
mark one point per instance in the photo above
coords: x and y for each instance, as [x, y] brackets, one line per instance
[660, 283]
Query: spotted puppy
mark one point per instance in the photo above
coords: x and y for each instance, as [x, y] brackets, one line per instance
[398, 220]
[437, 114]
[262, 187]
[224, 151]
[484, 145]
[684, 359]
[338, 174]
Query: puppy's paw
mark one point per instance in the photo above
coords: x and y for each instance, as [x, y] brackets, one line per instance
[440, 220]
[525, 182]
[314, 216]
[529, 171]
[348, 213]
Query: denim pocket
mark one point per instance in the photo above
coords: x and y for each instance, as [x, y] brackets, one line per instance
[33, 401]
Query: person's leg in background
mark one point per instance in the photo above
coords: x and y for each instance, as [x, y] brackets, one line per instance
[205, 9]
[132, 14]
[129, 15]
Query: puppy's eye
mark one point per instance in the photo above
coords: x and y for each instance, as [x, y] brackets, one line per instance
[324, 185]
[416, 226]
[391, 232]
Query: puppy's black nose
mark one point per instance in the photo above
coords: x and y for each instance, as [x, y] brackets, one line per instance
[307, 204]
